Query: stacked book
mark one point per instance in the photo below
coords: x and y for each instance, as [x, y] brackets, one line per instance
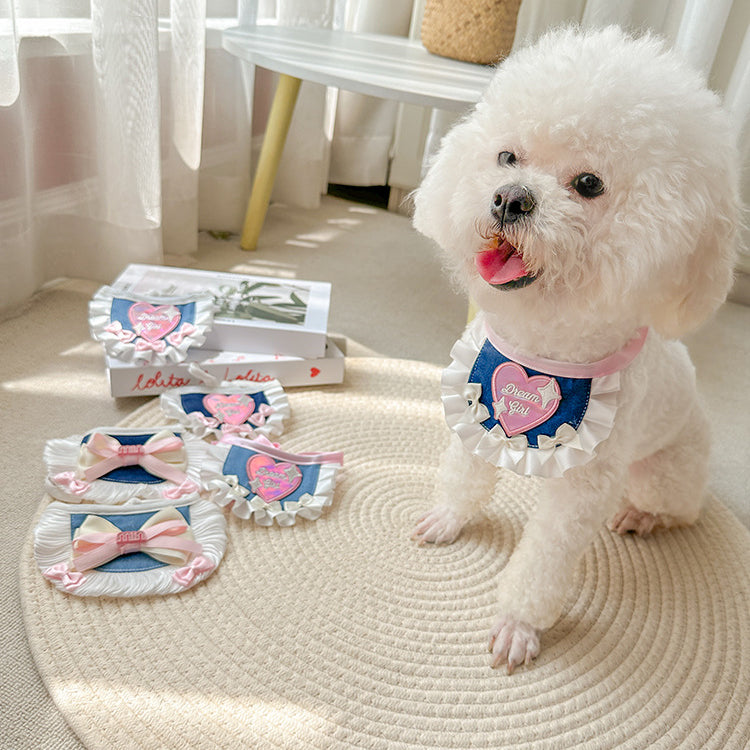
[263, 328]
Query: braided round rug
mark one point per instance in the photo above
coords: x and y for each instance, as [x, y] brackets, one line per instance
[343, 633]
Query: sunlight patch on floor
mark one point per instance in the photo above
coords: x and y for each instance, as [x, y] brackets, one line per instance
[345, 222]
[85, 349]
[86, 384]
[265, 268]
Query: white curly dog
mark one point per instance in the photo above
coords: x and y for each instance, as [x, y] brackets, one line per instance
[589, 207]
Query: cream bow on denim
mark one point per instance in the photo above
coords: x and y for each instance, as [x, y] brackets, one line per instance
[166, 537]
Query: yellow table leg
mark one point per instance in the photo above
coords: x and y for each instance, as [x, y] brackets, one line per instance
[270, 154]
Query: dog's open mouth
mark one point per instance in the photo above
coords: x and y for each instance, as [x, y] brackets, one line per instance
[501, 265]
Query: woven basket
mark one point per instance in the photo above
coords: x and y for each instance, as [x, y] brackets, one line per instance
[478, 31]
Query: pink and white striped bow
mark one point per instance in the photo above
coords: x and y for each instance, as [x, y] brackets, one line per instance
[162, 455]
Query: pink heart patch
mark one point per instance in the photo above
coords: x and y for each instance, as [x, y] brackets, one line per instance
[522, 402]
[272, 480]
[229, 408]
[153, 322]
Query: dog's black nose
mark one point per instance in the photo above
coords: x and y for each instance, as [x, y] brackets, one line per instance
[511, 203]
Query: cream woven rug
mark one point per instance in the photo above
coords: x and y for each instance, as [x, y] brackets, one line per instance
[342, 633]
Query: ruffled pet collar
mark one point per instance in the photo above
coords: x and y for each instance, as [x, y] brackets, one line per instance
[535, 416]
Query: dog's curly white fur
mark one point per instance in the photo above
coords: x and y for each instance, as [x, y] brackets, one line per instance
[647, 238]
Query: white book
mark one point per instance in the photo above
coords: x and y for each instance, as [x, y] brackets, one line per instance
[254, 314]
[128, 379]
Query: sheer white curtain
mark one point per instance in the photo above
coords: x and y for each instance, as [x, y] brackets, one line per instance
[100, 136]
[124, 127]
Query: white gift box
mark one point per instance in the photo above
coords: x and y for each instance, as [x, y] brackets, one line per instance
[254, 314]
[135, 380]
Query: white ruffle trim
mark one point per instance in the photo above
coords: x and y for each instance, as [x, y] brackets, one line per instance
[195, 422]
[65, 479]
[226, 491]
[125, 347]
[569, 448]
[53, 550]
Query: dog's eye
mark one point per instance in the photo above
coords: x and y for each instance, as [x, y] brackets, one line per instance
[588, 185]
[506, 158]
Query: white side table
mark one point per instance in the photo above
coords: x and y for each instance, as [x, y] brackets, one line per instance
[384, 66]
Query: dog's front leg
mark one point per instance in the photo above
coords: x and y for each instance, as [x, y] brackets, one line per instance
[535, 582]
[464, 482]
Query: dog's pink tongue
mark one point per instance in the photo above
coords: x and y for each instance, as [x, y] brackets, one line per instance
[500, 265]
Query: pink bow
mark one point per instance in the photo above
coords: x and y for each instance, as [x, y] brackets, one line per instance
[113, 455]
[96, 548]
[144, 345]
[186, 329]
[186, 575]
[210, 422]
[184, 488]
[236, 429]
[116, 329]
[259, 418]
[69, 480]
[70, 579]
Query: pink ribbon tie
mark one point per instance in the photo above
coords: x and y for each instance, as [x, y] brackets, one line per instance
[95, 549]
[259, 418]
[69, 480]
[113, 456]
[70, 579]
[176, 338]
[116, 329]
[210, 422]
[144, 345]
[185, 576]
[184, 488]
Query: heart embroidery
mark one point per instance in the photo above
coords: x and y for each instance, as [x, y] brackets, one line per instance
[314, 371]
[153, 322]
[522, 402]
[272, 480]
[234, 408]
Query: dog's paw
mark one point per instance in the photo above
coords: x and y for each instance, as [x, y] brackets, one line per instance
[631, 519]
[513, 643]
[441, 525]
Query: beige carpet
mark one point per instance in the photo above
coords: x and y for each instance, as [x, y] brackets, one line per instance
[343, 633]
[389, 298]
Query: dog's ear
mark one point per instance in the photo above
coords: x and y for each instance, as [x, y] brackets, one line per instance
[701, 284]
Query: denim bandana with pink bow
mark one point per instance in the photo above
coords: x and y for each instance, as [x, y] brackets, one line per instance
[259, 480]
[99, 550]
[118, 465]
[155, 329]
[241, 409]
[534, 416]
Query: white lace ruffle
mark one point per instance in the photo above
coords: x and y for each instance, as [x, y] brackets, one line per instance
[555, 455]
[53, 553]
[271, 425]
[226, 490]
[128, 347]
[65, 480]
